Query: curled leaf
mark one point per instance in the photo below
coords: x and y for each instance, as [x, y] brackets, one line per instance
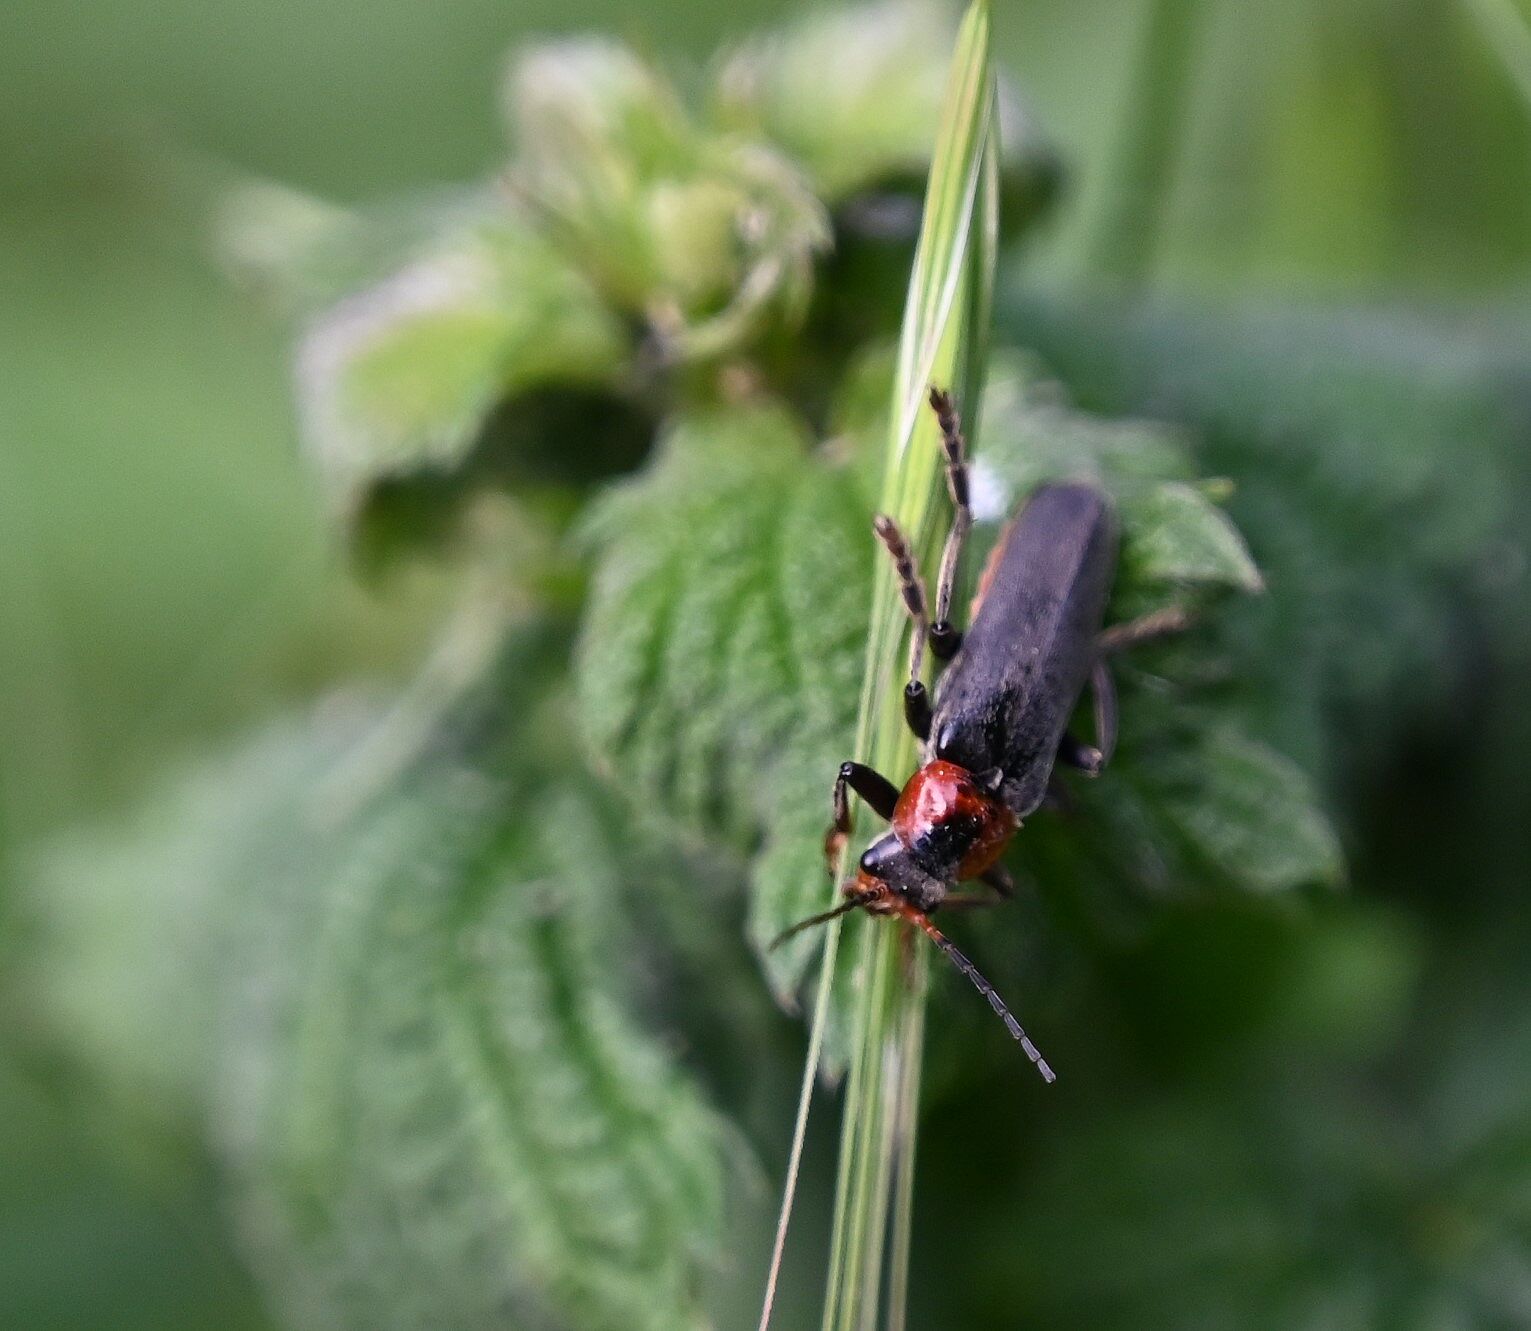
[401, 377]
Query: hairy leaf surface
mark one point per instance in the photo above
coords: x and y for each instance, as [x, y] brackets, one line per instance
[405, 1009]
[400, 378]
[719, 668]
[1377, 458]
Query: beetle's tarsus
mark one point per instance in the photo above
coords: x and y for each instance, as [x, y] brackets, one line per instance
[1082, 757]
[917, 711]
[880, 795]
[955, 448]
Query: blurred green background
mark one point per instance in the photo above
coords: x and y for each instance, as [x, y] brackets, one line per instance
[166, 574]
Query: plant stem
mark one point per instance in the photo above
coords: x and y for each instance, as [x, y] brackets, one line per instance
[943, 342]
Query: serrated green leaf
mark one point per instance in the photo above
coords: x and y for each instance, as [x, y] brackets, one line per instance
[403, 1004]
[447, 1115]
[1253, 814]
[1172, 531]
[130, 917]
[1174, 534]
[1191, 804]
[717, 670]
[1388, 413]
[1376, 455]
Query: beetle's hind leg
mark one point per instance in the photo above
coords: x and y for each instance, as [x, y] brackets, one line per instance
[879, 793]
[1091, 758]
[912, 590]
[1163, 623]
[945, 639]
[1156, 624]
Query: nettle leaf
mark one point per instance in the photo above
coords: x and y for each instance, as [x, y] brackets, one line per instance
[1391, 412]
[1190, 803]
[1191, 796]
[1174, 533]
[127, 917]
[1376, 454]
[1032, 433]
[444, 1114]
[719, 668]
[401, 378]
[409, 1001]
[1252, 813]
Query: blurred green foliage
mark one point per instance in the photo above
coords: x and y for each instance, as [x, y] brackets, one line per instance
[389, 1001]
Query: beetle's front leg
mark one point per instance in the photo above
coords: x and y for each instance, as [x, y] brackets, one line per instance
[879, 793]
[945, 639]
[912, 591]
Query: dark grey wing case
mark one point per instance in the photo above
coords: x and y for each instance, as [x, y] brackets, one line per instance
[1006, 698]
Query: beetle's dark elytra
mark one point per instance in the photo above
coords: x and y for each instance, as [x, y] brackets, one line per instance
[1005, 701]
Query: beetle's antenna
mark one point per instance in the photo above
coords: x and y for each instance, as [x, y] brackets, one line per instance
[844, 908]
[960, 961]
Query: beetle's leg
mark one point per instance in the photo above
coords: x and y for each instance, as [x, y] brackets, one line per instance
[1091, 758]
[1103, 696]
[1059, 798]
[1155, 624]
[1083, 757]
[879, 793]
[912, 590]
[944, 638]
[968, 901]
[998, 877]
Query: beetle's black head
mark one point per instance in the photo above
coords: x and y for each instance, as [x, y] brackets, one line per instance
[887, 862]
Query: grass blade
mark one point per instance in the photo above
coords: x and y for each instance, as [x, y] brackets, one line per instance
[943, 342]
